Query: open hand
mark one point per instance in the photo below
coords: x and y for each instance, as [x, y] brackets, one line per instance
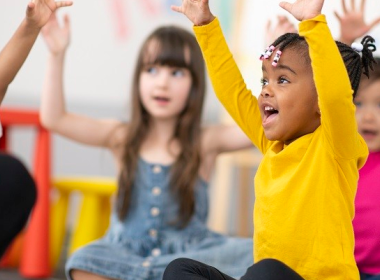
[283, 25]
[352, 24]
[303, 9]
[39, 11]
[56, 37]
[197, 11]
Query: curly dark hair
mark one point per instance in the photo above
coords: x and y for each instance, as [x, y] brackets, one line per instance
[356, 64]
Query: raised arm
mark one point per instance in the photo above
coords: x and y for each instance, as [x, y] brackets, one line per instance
[53, 112]
[331, 79]
[225, 76]
[225, 138]
[352, 22]
[17, 49]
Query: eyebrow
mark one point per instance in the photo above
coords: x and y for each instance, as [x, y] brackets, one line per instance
[280, 66]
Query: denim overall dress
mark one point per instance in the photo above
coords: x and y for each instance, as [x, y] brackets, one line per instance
[145, 242]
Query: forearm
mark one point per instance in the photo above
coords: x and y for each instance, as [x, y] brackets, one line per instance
[228, 82]
[333, 86]
[14, 54]
[53, 107]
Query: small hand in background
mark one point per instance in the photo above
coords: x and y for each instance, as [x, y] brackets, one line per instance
[39, 11]
[197, 11]
[57, 37]
[283, 25]
[352, 22]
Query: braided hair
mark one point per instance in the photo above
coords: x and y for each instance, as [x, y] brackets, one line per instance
[356, 64]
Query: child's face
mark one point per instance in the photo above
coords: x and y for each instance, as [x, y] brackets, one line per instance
[164, 90]
[367, 103]
[288, 101]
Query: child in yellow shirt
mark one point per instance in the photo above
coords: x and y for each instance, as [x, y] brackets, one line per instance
[303, 121]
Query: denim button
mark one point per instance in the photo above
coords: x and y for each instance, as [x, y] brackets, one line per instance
[156, 252]
[154, 211]
[156, 191]
[146, 264]
[157, 169]
[153, 232]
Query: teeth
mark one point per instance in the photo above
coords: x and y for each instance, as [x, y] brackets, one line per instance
[268, 108]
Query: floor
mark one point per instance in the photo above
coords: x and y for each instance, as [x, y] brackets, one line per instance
[14, 275]
[58, 274]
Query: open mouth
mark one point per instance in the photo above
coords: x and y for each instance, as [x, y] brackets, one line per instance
[161, 99]
[269, 114]
[367, 133]
[268, 110]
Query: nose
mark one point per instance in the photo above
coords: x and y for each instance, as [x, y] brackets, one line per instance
[368, 115]
[163, 79]
[266, 92]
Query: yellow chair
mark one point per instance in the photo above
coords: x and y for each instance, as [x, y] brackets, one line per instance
[93, 219]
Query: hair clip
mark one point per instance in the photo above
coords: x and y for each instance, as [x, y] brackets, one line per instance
[263, 53]
[269, 52]
[276, 58]
[357, 47]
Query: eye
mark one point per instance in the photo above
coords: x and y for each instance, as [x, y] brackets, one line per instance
[151, 69]
[357, 103]
[263, 82]
[283, 80]
[178, 72]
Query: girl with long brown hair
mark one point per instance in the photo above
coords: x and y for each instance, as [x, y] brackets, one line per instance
[164, 158]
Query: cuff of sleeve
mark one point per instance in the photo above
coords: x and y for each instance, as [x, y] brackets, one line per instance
[306, 25]
[207, 28]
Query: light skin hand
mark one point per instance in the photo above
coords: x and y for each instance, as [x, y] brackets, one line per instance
[197, 11]
[352, 24]
[57, 37]
[303, 9]
[284, 25]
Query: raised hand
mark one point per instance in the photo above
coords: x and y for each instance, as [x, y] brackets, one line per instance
[352, 23]
[197, 11]
[39, 11]
[283, 25]
[303, 9]
[56, 37]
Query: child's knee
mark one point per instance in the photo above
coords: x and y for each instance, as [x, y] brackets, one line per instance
[76, 274]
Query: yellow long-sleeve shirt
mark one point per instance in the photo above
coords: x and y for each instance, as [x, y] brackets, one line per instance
[304, 191]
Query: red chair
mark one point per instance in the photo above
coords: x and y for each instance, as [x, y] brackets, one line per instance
[34, 261]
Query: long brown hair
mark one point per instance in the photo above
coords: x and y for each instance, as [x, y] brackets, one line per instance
[173, 43]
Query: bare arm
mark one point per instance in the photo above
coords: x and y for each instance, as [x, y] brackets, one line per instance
[14, 54]
[225, 138]
[53, 112]
[352, 23]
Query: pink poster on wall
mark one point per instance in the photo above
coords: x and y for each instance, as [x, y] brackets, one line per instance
[119, 14]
